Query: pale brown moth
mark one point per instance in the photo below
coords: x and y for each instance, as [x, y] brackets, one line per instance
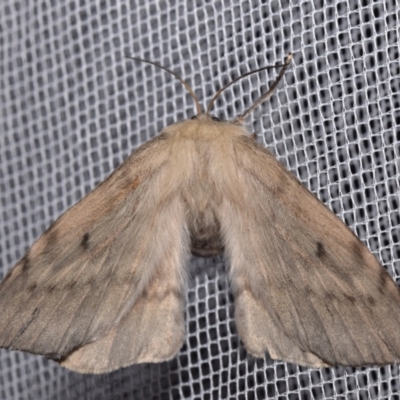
[104, 286]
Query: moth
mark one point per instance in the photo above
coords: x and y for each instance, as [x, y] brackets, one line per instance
[104, 286]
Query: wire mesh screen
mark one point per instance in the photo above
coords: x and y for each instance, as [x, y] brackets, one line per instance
[73, 108]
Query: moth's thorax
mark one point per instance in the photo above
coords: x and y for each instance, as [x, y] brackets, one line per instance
[203, 156]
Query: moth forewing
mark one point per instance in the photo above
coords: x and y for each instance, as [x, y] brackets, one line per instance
[104, 286]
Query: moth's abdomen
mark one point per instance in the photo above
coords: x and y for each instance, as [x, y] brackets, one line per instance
[202, 222]
[202, 203]
[205, 235]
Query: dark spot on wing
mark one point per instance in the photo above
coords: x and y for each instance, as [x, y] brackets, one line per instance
[32, 287]
[371, 300]
[85, 241]
[215, 119]
[351, 299]
[71, 285]
[91, 282]
[329, 297]
[194, 117]
[50, 289]
[309, 292]
[321, 252]
[146, 293]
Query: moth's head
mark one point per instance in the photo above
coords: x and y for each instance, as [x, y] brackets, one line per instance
[239, 120]
[205, 117]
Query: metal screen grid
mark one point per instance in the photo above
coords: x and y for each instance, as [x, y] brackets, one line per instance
[72, 108]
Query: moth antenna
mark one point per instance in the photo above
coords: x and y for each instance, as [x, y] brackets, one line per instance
[212, 101]
[268, 94]
[184, 83]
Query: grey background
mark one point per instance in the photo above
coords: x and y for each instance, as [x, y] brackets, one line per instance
[72, 108]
